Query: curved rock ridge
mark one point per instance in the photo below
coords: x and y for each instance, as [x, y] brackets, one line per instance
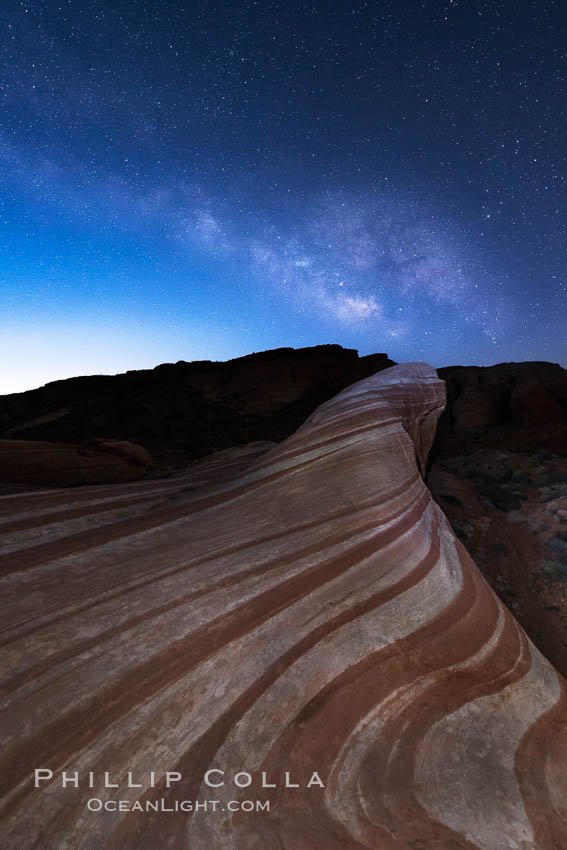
[303, 610]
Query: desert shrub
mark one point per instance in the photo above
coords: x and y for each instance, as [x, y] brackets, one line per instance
[547, 494]
[552, 484]
[515, 476]
[558, 545]
[549, 477]
[500, 496]
[505, 492]
[554, 570]
[505, 500]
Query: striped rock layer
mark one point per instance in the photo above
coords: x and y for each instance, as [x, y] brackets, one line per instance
[302, 610]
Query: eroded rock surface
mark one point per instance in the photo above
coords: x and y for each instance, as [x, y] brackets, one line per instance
[510, 406]
[302, 608]
[27, 462]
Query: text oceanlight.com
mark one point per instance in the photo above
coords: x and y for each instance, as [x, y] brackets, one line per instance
[95, 804]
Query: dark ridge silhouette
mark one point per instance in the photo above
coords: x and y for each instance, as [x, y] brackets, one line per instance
[186, 410]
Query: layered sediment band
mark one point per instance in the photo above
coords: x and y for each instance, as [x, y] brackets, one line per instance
[303, 617]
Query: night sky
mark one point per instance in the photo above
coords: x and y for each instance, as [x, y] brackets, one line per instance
[201, 180]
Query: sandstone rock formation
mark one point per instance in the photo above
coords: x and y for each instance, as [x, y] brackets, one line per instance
[308, 612]
[500, 475]
[510, 406]
[510, 511]
[181, 411]
[26, 462]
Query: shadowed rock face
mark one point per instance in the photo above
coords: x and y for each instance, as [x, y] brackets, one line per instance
[510, 511]
[500, 475]
[511, 406]
[24, 462]
[305, 608]
[181, 411]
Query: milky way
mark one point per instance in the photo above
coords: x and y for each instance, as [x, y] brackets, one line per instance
[187, 181]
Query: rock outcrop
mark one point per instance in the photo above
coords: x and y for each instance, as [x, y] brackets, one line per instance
[310, 614]
[182, 411]
[27, 462]
[510, 406]
[500, 475]
[510, 511]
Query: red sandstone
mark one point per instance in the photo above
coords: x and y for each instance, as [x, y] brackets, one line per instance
[308, 612]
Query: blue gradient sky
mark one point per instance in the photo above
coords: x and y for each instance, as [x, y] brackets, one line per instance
[199, 181]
